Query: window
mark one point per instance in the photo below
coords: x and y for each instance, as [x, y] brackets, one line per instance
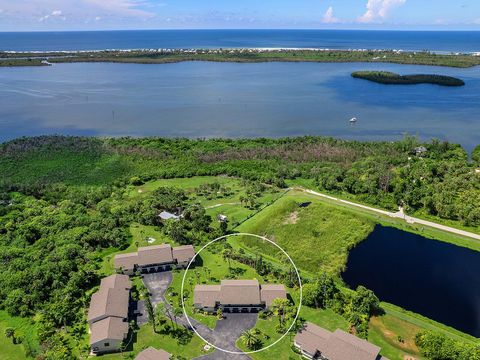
[107, 344]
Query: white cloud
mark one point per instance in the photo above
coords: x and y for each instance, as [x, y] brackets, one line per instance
[378, 10]
[53, 14]
[76, 10]
[128, 8]
[329, 18]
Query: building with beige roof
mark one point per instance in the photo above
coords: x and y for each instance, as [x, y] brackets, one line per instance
[183, 255]
[108, 314]
[108, 302]
[315, 342]
[108, 334]
[237, 296]
[153, 354]
[116, 281]
[154, 258]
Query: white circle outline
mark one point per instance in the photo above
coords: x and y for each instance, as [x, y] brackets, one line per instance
[241, 352]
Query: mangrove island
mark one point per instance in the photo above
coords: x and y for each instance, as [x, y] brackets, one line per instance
[390, 78]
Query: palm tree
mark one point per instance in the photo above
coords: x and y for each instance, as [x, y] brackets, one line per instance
[279, 307]
[10, 333]
[176, 313]
[190, 281]
[249, 339]
[227, 254]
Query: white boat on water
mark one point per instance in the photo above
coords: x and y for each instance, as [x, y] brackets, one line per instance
[353, 120]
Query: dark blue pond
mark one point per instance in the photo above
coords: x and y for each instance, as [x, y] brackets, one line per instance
[432, 278]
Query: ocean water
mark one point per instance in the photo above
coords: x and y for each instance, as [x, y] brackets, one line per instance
[441, 41]
[202, 99]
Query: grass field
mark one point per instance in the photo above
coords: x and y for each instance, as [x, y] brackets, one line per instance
[23, 328]
[330, 231]
[428, 232]
[228, 204]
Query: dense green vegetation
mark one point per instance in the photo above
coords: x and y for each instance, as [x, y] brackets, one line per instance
[386, 77]
[439, 180]
[298, 230]
[67, 204]
[21, 62]
[247, 55]
[438, 347]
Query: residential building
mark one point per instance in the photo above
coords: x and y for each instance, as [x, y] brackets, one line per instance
[153, 354]
[315, 342]
[108, 314]
[237, 296]
[154, 258]
[108, 335]
[165, 215]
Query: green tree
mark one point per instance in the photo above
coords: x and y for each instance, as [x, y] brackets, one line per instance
[10, 333]
[250, 339]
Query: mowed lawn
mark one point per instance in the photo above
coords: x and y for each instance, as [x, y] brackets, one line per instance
[23, 328]
[318, 236]
[228, 205]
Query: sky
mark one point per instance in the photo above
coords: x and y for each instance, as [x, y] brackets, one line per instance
[61, 15]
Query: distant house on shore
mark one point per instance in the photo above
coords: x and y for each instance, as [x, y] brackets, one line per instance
[420, 151]
[222, 218]
[154, 259]
[315, 342]
[165, 215]
[153, 354]
[237, 296]
[108, 314]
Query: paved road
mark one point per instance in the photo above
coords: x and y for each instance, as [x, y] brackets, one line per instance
[400, 215]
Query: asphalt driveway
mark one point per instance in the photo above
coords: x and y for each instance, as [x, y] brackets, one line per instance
[157, 284]
[226, 333]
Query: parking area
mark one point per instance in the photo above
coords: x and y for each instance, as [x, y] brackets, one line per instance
[157, 284]
[226, 334]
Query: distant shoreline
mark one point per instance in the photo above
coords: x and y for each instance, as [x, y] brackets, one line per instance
[241, 55]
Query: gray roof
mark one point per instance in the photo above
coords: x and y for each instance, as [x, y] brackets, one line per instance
[237, 292]
[183, 253]
[311, 338]
[110, 328]
[126, 261]
[153, 354]
[157, 254]
[345, 346]
[270, 292]
[240, 292]
[206, 295]
[109, 302]
[116, 281]
[338, 345]
[165, 215]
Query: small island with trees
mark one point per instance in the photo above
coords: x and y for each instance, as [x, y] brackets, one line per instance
[390, 78]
